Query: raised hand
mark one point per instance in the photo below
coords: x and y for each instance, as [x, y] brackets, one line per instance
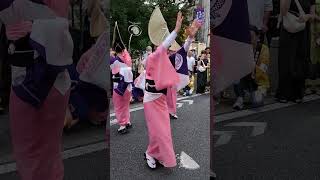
[179, 22]
[193, 28]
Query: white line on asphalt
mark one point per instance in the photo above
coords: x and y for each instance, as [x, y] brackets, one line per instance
[71, 153]
[79, 151]
[271, 107]
[258, 127]
[8, 168]
[188, 101]
[224, 137]
[179, 105]
[113, 122]
[178, 99]
[187, 162]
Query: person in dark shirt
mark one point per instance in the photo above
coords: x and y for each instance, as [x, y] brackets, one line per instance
[293, 53]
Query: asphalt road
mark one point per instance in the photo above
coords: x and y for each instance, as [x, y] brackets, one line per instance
[190, 135]
[272, 143]
[85, 154]
[92, 166]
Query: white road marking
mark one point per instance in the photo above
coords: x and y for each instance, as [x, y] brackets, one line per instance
[113, 122]
[67, 154]
[258, 127]
[271, 107]
[141, 107]
[224, 137]
[188, 101]
[187, 162]
[8, 168]
[179, 105]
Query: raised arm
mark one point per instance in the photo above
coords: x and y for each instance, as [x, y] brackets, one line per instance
[192, 31]
[187, 44]
[170, 39]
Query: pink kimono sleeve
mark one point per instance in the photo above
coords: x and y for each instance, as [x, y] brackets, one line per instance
[84, 61]
[160, 69]
[125, 56]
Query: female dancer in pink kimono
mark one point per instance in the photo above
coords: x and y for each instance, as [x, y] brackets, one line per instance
[160, 75]
[122, 87]
[39, 53]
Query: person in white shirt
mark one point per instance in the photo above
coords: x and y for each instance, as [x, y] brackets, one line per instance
[191, 61]
[191, 64]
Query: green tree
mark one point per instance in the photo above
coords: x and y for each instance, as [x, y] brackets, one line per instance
[139, 11]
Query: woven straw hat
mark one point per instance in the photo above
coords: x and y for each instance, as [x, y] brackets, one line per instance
[158, 30]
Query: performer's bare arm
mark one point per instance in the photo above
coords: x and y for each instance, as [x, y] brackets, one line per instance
[284, 7]
[192, 31]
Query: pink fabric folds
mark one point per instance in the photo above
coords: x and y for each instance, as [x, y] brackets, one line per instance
[37, 135]
[121, 107]
[159, 131]
[126, 58]
[18, 30]
[161, 70]
[172, 100]
[83, 63]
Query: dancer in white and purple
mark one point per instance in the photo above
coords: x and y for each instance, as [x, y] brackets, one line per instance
[122, 87]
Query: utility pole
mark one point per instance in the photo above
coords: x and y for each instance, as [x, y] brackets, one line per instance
[204, 31]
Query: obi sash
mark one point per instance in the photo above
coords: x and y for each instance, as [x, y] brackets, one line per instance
[37, 83]
[150, 87]
[22, 54]
[53, 55]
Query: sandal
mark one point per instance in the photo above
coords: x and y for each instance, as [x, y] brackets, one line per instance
[151, 162]
[122, 130]
[129, 126]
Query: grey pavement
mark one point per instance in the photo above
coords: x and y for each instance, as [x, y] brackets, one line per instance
[93, 166]
[286, 148]
[82, 146]
[190, 135]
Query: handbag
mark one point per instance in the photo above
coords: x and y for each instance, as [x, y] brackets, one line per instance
[290, 21]
[201, 68]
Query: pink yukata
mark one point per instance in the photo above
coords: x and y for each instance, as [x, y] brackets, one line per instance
[37, 131]
[172, 100]
[121, 65]
[160, 71]
[164, 76]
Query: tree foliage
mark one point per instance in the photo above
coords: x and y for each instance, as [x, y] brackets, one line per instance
[126, 12]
